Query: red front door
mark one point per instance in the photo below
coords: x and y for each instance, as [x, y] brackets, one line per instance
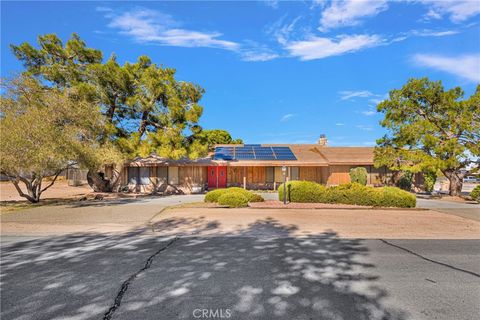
[217, 177]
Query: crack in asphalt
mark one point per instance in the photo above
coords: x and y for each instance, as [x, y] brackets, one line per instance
[430, 260]
[123, 289]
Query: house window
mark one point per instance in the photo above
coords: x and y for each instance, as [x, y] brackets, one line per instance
[132, 175]
[269, 174]
[144, 175]
[162, 174]
[173, 175]
[294, 173]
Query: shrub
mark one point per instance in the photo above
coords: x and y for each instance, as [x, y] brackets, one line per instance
[255, 197]
[475, 194]
[405, 181]
[214, 195]
[302, 191]
[359, 175]
[429, 180]
[350, 193]
[233, 199]
[395, 197]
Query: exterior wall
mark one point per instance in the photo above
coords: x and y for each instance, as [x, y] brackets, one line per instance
[338, 175]
[190, 176]
[255, 177]
[183, 182]
[311, 174]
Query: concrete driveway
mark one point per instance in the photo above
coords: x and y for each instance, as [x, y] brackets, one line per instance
[87, 216]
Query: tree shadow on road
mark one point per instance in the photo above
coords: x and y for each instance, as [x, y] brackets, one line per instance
[261, 272]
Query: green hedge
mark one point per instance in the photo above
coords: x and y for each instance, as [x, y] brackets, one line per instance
[475, 194]
[214, 195]
[233, 199]
[350, 193]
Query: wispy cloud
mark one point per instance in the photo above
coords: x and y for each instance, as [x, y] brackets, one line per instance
[319, 48]
[465, 66]
[369, 112]
[433, 33]
[287, 117]
[339, 124]
[271, 3]
[374, 98]
[253, 51]
[349, 12]
[348, 95]
[150, 26]
[364, 127]
[456, 10]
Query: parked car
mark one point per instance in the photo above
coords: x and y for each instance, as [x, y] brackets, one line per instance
[471, 179]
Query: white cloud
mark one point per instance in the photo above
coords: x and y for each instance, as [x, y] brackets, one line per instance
[376, 100]
[151, 26]
[319, 48]
[465, 66]
[369, 143]
[364, 127]
[283, 31]
[339, 124]
[433, 33]
[287, 117]
[250, 55]
[253, 51]
[457, 10]
[348, 95]
[271, 3]
[369, 112]
[349, 12]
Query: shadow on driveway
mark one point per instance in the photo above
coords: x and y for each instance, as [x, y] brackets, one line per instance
[260, 273]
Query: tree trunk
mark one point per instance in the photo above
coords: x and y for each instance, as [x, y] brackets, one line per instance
[98, 182]
[456, 181]
[143, 124]
[33, 186]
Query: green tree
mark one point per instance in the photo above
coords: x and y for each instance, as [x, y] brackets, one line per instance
[216, 136]
[44, 131]
[430, 128]
[146, 109]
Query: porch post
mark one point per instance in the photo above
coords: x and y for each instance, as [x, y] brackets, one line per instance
[244, 178]
[217, 176]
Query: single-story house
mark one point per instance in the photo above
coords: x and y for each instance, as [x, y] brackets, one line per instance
[252, 166]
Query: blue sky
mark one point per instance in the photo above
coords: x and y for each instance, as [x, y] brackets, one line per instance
[275, 71]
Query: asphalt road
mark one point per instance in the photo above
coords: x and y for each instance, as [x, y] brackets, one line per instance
[264, 273]
[276, 277]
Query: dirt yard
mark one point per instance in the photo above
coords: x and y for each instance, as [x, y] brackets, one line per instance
[365, 224]
[60, 190]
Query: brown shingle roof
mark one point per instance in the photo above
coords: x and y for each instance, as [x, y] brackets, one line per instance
[316, 155]
[306, 154]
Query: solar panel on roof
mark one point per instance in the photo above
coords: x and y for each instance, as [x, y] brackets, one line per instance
[253, 152]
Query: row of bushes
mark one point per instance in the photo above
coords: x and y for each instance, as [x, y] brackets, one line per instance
[233, 197]
[350, 193]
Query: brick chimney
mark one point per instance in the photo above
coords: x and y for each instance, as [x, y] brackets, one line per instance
[322, 140]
